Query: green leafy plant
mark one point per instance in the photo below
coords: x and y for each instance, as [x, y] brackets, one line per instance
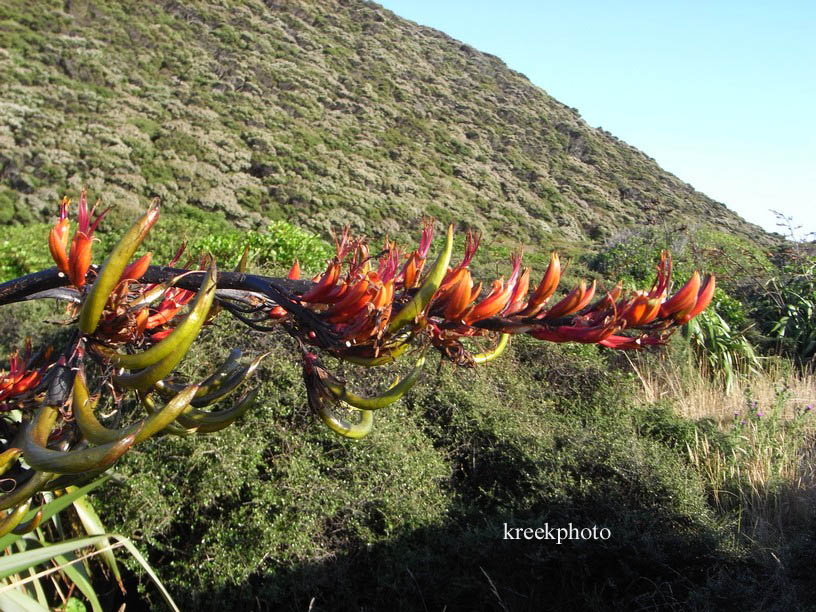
[30, 558]
[726, 351]
[791, 308]
[281, 243]
[785, 305]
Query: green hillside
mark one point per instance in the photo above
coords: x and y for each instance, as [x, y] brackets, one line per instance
[269, 124]
[318, 113]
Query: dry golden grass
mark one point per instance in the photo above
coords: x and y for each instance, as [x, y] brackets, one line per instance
[764, 474]
[696, 396]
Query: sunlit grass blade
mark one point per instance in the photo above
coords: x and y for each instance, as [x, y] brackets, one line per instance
[93, 526]
[12, 564]
[55, 507]
[80, 579]
[17, 600]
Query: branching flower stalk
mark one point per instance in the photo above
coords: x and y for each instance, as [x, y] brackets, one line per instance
[368, 310]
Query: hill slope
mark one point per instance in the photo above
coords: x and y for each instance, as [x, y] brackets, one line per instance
[321, 113]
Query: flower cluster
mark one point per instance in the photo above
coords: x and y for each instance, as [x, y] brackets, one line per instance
[369, 309]
[135, 322]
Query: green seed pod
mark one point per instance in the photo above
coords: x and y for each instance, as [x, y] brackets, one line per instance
[145, 379]
[393, 394]
[8, 457]
[343, 427]
[85, 418]
[111, 271]
[29, 525]
[13, 518]
[417, 305]
[159, 420]
[209, 422]
[25, 489]
[229, 385]
[387, 355]
[490, 355]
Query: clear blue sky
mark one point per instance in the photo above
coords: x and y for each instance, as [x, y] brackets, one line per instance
[721, 94]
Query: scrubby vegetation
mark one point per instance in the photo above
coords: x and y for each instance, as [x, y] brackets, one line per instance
[697, 457]
[707, 491]
[320, 114]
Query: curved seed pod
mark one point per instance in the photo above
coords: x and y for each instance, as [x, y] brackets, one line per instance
[40, 426]
[217, 378]
[8, 458]
[30, 525]
[172, 428]
[386, 398]
[386, 356]
[149, 404]
[191, 324]
[145, 379]
[168, 389]
[177, 429]
[490, 355]
[229, 385]
[242, 262]
[25, 490]
[85, 418]
[159, 420]
[112, 269]
[69, 480]
[343, 427]
[209, 422]
[418, 303]
[223, 390]
[13, 518]
[69, 462]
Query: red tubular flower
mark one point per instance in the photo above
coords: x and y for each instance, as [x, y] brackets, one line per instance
[384, 295]
[609, 300]
[174, 300]
[459, 297]
[704, 298]
[355, 299]
[389, 262]
[136, 270]
[19, 378]
[327, 283]
[574, 301]
[294, 271]
[627, 343]
[546, 287]
[634, 310]
[79, 259]
[489, 306]
[58, 238]
[684, 300]
[455, 274]
[499, 297]
[571, 333]
[412, 271]
[518, 299]
[664, 273]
